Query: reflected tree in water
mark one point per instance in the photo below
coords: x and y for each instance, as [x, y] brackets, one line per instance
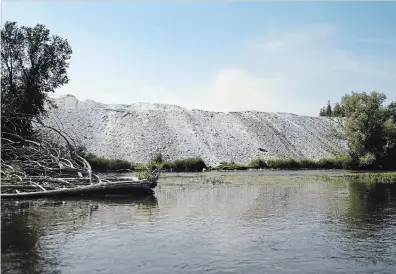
[367, 203]
[369, 221]
[32, 233]
[20, 241]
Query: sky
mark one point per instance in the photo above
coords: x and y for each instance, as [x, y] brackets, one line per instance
[221, 56]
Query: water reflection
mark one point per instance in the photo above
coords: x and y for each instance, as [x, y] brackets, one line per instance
[258, 227]
[368, 223]
[20, 246]
[367, 203]
[26, 228]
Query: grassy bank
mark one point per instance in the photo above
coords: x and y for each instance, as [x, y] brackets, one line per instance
[284, 163]
[191, 164]
[101, 164]
[195, 164]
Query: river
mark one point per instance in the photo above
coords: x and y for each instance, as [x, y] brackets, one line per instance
[248, 223]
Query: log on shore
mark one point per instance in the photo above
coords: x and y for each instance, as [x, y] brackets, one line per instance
[124, 188]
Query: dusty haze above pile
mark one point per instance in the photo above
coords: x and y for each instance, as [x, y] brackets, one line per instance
[135, 132]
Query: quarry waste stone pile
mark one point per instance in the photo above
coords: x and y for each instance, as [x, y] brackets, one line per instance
[137, 132]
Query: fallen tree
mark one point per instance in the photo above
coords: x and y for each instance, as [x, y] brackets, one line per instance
[44, 166]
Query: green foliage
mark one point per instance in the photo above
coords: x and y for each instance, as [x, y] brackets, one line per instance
[148, 175]
[283, 163]
[329, 111]
[101, 164]
[370, 129]
[322, 111]
[230, 166]
[168, 166]
[189, 165]
[290, 163]
[33, 64]
[149, 172]
[367, 161]
[140, 167]
[257, 164]
[337, 110]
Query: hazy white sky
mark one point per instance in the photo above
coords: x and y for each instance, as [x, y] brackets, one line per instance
[268, 56]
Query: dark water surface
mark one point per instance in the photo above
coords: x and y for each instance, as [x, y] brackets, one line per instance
[255, 224]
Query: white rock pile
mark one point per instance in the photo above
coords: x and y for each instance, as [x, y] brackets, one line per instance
[136, 132]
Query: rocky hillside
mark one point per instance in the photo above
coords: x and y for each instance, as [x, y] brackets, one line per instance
[135, 132]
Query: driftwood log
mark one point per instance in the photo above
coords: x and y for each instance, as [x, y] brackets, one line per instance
[124, 187]
[46, 167]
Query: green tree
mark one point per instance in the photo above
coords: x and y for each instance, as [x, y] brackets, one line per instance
[389, 155]
[337, 111]
[370, 129]
[328, 111]
[33, 64]
[322, 112]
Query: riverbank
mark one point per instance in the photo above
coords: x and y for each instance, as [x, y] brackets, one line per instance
[196, 164]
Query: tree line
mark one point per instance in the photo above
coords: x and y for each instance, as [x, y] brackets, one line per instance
[329, 111]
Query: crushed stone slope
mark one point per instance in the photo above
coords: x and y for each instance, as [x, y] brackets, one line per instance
[136, 132]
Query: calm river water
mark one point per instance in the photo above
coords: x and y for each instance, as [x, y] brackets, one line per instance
[251, 223]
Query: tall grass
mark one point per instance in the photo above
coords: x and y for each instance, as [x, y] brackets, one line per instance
[101, 164]
[192, 164]
[230, 166]
[196, 164]
[290, 163]
[189, 165]
[257, 164]
[284, 163]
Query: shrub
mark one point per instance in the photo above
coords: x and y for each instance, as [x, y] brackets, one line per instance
[168, 166]
[367, 161]
[101, 164]
[140, 167]
[290, 163]
[350, 163]
[188, 165]
[184, 165]
[230, 166]
[283, 163]
[329, 163]
[257, 163]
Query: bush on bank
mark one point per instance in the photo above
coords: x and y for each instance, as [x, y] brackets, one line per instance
[191, 164]
[101, 164]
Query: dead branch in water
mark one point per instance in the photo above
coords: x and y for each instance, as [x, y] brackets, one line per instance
[42, 166]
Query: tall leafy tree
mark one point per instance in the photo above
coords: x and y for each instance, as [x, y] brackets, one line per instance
[370, 128]
[33, 65]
